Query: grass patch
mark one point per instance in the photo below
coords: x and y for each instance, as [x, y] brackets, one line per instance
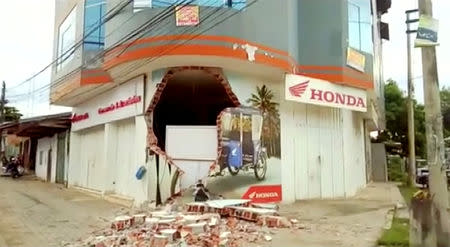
[398, 235]
[407, 193]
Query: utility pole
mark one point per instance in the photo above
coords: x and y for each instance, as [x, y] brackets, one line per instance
[2, 117]
[440, 229]
[411, 130]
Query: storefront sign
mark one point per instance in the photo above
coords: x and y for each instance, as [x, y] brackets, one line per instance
[263, 193]
[187, 16]
[121, 102]
[319, 92]
[79, 117]
[427, 32]
[355, 59]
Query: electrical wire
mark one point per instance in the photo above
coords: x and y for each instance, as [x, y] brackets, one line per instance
[72, 49]
[141, 30]
[118, 43]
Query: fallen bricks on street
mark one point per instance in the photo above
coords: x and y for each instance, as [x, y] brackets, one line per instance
[221, 223]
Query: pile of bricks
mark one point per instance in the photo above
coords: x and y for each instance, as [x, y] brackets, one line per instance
[224, 223]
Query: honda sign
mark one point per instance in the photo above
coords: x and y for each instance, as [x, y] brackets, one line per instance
[319, 92]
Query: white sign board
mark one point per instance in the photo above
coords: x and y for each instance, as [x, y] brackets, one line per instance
[192, 142]
[124, 101]
[320, 92]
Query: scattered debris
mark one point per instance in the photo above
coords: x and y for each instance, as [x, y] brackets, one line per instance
[221, 223]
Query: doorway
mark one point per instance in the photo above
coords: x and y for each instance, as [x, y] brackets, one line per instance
[60, 158]
[191, 97]
[49, 165]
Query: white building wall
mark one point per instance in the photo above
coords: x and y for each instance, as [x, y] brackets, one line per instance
[324, 148]
[44, 145]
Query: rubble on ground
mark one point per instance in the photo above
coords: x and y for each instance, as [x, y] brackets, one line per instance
[220, 223]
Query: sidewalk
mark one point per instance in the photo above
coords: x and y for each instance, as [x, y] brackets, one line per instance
[352, 222]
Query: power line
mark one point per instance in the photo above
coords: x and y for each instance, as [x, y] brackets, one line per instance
[142, 30]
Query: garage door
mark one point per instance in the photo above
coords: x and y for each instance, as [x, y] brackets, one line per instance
[92, 158]
[125, 157]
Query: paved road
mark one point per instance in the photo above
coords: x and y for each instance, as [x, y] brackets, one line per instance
[34, 213]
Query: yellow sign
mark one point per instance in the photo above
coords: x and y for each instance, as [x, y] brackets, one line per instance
[355, 59]
[187, 15]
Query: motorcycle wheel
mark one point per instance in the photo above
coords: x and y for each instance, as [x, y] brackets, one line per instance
[261, 167]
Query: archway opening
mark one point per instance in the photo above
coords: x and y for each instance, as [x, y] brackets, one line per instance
[190, 97]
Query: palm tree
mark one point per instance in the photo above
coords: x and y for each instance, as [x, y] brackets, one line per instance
[263, 100]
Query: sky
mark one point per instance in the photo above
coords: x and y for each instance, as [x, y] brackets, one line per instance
[394, 50]
[26, 41]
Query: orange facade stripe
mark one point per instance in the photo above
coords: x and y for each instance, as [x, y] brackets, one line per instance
[201, 37]
[212, 50]
[206, 50]
[348, 70]
[342, 79]
[95, 80]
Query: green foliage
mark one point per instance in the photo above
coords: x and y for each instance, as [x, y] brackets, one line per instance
[398, 235]
[445, 107]
[12, 114]
[263, 99]
[397, 119]
[407, 193]
[395, 171]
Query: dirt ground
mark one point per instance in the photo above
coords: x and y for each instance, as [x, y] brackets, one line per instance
[41, 214]
[35, 213]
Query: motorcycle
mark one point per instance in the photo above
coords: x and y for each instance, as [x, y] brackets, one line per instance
[13, 169]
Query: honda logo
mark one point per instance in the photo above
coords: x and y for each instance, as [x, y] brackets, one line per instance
[299, 89]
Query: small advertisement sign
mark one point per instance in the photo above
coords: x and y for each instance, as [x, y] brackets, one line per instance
[355, 59]
[427, 32]
[187, 16]
[320, 92]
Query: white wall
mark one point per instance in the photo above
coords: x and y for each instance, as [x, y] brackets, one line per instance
[324, 148]
[43, 146]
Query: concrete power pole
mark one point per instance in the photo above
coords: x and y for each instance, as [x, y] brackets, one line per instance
[440, 229]
[2, 117]
[411, 130]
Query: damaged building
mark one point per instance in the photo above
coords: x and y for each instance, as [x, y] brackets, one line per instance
[152, 79]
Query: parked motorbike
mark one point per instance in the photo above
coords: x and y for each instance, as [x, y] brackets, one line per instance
[13, 169]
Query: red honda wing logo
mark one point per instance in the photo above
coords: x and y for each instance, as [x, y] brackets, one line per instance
[299, 89]
[263, 193]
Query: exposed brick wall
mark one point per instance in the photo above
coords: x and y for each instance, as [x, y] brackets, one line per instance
[152, 140]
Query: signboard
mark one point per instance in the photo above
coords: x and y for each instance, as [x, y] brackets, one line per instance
[319, 92]
[118, 103]
[427, 32]
[355, 59]
[263, 193]
[187, 15]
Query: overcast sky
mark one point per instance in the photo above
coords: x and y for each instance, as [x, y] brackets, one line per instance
[26, 41]
[394, 51]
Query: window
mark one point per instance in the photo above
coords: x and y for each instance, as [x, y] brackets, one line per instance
[141, 4]
[66, 39]
[360, 25]
[94, 29]
[41, 153]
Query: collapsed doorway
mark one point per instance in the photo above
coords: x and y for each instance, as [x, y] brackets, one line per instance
[187, 96]
[191, 97]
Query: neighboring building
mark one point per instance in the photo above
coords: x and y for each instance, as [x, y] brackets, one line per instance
[44, 144]
[319, 58]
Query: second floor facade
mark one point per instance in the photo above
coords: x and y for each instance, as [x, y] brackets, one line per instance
[93, 38]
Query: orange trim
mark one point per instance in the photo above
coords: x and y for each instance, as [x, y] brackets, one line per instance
[348, 70]
[95, 80]
[341, 79]
[202, 37]
[206, 50]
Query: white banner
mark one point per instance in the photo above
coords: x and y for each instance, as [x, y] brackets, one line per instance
[320, 92]
[124, 101]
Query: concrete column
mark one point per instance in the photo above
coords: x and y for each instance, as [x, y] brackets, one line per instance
[109, 153]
